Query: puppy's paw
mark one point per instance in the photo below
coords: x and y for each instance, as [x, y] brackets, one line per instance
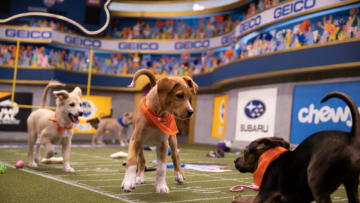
[129, 181]
[162, 188]
[128, 184]
[69, 169]
[37, 159]
[179, 177]
[32, 164]
[140, 179]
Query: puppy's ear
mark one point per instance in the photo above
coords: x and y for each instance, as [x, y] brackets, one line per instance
[194, 87]
[271, 142]
[77, 91]
[61, 94]
[278, 141]
[164, 87]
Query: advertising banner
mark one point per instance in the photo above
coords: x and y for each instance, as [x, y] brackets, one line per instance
[219, 116]
[150, 46]
[282, 11]
[13, 118]
[309, 115]
[255, 114]
[96, 105]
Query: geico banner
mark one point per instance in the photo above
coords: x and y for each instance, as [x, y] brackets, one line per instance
[144, 46]
[255, 116]
[284, 10]
[13, 118]
[252, 23]
[94, 106]
[26, 34]
[309, 115]
[40, 35]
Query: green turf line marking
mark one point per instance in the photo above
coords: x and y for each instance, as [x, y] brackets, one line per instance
[93, 174]
[95, 157]
[201, 199]
[72, 184]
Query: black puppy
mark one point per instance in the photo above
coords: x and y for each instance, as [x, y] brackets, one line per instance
[315, 169]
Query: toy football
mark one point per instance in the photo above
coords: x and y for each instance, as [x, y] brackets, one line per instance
[19, 164]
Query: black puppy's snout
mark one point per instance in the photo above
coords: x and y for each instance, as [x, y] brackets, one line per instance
[81, 113]
[190, 112]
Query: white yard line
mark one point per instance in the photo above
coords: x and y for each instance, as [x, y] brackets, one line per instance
[72, 184]
[191, 189]
[186, 182]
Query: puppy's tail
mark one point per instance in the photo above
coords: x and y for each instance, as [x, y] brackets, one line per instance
[146, 72]
[355, 131]
[52, 84]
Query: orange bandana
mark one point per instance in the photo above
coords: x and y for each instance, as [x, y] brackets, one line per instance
[59, 128]
[264, 161]
[166, 124]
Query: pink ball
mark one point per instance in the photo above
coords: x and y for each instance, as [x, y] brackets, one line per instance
[19, 164]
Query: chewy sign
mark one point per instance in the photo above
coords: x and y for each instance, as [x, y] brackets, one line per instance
[309, 115]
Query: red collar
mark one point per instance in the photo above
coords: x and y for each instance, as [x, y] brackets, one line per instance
[166, 124]
[264, 161]
[59, 127]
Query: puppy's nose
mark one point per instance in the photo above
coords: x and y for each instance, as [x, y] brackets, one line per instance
[190, 112]
[80, 113]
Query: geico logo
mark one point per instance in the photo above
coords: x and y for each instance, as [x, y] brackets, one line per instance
[251, 23]
[294, 7]
[227, 39]
[29, 34]
[139, 45]
[84, 42]
[193, 45]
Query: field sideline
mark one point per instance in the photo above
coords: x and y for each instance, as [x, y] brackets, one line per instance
[98, 179]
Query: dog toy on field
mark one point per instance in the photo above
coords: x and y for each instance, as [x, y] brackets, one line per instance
[19, 164]
[118, 155]
[52, 160]
[2, 168]
[238, 188]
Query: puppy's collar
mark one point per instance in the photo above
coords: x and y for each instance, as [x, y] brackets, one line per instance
[120, 121]
[166, 124]
[59, 127]
[264, 161]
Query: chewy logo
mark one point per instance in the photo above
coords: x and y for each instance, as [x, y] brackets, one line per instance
[324, 114]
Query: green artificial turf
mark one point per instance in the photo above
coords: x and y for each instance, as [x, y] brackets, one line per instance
[97, 171]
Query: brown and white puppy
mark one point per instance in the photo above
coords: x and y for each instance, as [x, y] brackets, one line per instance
[46, 127]
[315, 169]
[117, 127]
[169, 95]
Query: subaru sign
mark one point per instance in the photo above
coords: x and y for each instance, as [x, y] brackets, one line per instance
[255, 116]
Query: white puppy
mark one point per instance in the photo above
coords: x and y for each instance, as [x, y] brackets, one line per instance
[47, 127]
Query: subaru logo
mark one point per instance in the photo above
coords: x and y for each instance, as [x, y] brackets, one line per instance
[254, 109]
